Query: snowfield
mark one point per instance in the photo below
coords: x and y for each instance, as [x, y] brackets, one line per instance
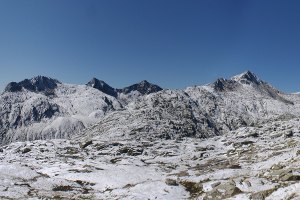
[260, 162]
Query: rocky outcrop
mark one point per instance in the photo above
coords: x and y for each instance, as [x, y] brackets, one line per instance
[223, 85]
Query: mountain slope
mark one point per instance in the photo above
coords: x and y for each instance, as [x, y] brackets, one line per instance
[34, 114]
[167, 114]
[241, 100]
[202, 111]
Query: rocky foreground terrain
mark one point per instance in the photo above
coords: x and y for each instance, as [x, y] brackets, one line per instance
[236, 138]
[259, 162]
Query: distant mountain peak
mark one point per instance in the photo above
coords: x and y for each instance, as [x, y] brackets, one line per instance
[35, 84]
[44, 82]
[102, 86]
[41, 78]
[94, 82]
[144, 87]
[144, 82]
[247, 77]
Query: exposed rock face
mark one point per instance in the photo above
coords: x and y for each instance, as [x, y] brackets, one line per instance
[223, 85]
[13, 87]
[36, 84]
[144, 87]
[128, 94]
[222, 191]
[103, 87]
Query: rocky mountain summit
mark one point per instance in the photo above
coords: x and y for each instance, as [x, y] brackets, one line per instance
[103, 87]
[36, 84]
[144, 87]
[236, 138]
[247, 78]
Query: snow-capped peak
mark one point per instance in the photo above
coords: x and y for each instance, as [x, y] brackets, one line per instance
[247, 78]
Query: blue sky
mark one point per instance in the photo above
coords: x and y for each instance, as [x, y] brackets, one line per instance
[169, 42]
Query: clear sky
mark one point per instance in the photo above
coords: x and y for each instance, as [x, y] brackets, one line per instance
[173, 43]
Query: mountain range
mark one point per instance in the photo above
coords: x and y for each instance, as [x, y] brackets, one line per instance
[45, 108]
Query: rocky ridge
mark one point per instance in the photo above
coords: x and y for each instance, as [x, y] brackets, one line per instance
[144, 88]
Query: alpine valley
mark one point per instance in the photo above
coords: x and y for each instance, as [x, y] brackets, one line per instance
[236, 138]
